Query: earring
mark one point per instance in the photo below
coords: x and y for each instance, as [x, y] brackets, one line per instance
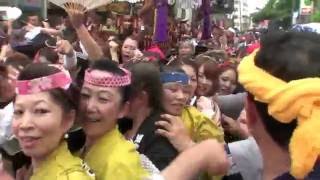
[66, 136]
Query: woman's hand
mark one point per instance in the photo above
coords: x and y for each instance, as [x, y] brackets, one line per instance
[233, 127]
[6, 50]
[175, 131]
[138, 56]
[46, 24]
[65, 48]
[90, 45]
[204, 103]
[24, 173]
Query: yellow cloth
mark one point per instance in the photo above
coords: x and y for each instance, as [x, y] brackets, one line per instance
[61, 165]
[299, 99]
[113, 158]
[199, 126]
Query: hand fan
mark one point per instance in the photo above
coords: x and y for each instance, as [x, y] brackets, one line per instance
[14, 13]
[119, 7]
[80, 5]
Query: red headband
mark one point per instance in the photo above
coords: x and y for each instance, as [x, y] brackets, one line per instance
[106, 79]
[58, 80]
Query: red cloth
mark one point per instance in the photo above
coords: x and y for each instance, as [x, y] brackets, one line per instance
[156, 49]
[252, 47]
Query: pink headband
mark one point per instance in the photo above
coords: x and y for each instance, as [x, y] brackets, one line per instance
[58, 80]
[106, 79]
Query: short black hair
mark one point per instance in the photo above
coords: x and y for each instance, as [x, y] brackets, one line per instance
[146, 76]
[171, 68]
[288, 56]
[113, 67]
[50, 54]
[107, 65]
[180, 62]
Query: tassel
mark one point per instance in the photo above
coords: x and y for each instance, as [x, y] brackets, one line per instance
[161, 22]
[206, 31]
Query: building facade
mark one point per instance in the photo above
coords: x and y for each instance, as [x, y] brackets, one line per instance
[241, 15]
[8, 2]
[38, 6]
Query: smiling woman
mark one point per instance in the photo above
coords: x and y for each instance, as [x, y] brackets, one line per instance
[228, 79]
[104, 97]
[43, 113]
[183, 125]
[176, 90]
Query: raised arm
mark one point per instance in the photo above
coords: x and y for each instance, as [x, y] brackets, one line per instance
[93, 49]
[51, 31]
[208, 156]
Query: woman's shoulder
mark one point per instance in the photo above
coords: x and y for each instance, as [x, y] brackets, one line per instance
[194, 114]
[191, 110]
[125, 162]
[124, 152]
[63, 165]
[82, 172]
[203, 127]
[73, 167]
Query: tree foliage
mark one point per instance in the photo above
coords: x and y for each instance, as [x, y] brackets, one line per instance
[276, 10]
[316, 17]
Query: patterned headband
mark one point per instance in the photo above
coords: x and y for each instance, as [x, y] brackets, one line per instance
[61, 79]
[106, 79]
[174, 77]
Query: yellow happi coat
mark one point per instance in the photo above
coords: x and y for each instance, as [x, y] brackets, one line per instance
[201, 128]
[62, 165]
[112, 157]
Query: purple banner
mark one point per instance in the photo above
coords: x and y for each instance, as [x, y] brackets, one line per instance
[161, 23]
[206, 31]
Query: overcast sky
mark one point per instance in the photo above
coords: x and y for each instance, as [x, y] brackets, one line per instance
[254, 4]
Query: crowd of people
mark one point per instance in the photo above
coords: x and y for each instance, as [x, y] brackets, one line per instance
[83, 99]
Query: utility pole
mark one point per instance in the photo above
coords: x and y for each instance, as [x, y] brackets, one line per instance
[44, 9]
[240, 18]
[293, 10]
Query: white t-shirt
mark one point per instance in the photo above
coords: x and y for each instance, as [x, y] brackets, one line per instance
[6, 115]
[247, 158]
